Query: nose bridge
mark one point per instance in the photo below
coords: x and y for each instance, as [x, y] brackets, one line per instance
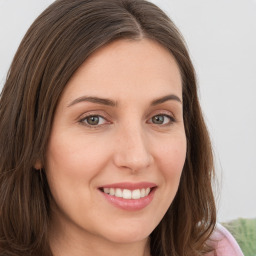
[132, 149]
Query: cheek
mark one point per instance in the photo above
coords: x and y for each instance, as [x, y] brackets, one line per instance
[171, 158]
[73, 155]
[71, 167]
[72, 164]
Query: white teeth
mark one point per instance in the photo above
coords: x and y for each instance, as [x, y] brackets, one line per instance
[126, 193]
[136, 194]
[112, 191]
[143, 192]
[106, 190]
[118, 193]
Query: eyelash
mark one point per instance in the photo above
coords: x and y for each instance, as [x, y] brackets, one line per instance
[170, 122]
[84, 120]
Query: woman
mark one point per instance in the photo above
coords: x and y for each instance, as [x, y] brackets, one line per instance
[104, 150]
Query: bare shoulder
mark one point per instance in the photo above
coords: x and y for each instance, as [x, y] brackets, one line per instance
[224, 243]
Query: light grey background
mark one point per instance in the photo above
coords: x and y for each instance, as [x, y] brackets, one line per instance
[221, 36]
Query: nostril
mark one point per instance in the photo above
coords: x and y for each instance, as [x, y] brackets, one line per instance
[134, 162]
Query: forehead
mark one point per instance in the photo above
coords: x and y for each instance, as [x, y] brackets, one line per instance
[127, 68]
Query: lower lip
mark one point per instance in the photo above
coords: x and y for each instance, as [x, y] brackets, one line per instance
[130, 204]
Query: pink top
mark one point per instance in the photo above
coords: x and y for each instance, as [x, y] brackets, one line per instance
[224, 243]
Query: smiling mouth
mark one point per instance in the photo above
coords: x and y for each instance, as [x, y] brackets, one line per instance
[127, 193]
[129, 196]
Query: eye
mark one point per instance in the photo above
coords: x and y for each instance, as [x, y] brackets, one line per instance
[162, 119]
[93, 120]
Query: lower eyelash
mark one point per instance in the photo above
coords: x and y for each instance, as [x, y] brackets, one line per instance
[84, 122]
[171, 118]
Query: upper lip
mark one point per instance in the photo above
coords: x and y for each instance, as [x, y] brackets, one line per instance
[130, 185]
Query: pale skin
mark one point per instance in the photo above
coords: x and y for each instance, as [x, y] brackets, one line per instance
[119, 119]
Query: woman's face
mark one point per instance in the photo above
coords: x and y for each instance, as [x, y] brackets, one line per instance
[117, 145]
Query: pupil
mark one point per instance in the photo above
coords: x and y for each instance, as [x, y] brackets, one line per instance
[158, 119]
[93, 120]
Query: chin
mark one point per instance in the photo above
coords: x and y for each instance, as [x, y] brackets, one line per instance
[126, 236]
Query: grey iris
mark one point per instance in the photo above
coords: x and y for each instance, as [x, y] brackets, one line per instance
[158, 119]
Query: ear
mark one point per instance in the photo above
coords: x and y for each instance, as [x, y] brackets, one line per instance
[38, 165]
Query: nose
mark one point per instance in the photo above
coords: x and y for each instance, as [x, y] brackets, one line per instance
[132, 151]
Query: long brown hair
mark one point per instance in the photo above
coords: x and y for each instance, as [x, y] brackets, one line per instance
[56, 44]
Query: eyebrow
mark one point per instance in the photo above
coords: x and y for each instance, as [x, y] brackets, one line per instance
[165, 98]
[108, 102]
[97, 100]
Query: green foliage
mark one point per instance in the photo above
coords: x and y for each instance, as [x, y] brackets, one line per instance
[244, 231]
